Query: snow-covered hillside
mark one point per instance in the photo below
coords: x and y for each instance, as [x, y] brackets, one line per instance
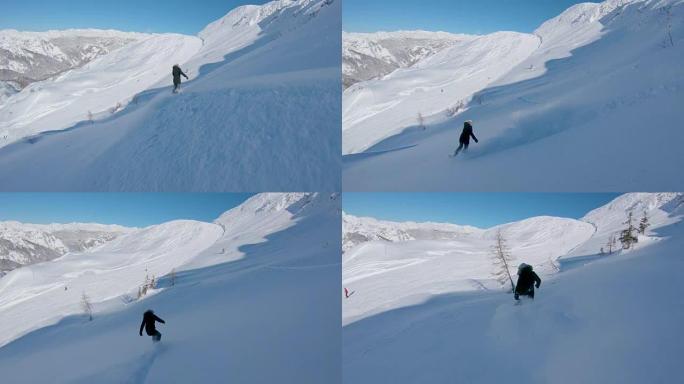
[551, 117]
[240, 123]
[239, 307]
[27, 57]
[368, 56]
[377, 109]
[431, 309]
[96, 90]
[396, 264]
[23, 244]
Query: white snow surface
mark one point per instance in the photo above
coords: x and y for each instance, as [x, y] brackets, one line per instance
[240, 308]
[96, 88]
[603, 81]
[428, 311]
[241, 123]
[376, 109]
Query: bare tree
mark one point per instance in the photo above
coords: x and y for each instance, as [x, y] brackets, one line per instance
[501, 256]
[90, 117]
[116, 108]
[455, 109]
[172, 277]
[643, 223]
[668, 24]
[87, 306]
[421, 120]
[612, 240]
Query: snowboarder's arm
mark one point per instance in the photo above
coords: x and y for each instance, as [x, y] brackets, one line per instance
[141, 327]
[537, 279]
[159, 319]
[473, 135]
[183, 73]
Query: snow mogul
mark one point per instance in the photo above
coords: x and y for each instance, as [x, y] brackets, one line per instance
[464, 140]
[149, 320]
[177, 72]
[527, 280]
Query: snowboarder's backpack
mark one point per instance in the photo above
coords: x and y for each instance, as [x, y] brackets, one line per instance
[524, 267]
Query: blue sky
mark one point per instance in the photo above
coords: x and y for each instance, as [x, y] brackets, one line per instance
[180, 16]
[128, 209]
[457, 16]
[482, 210]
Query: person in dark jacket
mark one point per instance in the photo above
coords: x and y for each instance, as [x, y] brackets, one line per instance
[149, 319]
[466, 134]
[527, 280]
[177, 72]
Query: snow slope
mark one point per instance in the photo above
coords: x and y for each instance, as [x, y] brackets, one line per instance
[95, 89]
[601, 319]
[245, 315]
[393, 269]
[35, 296]
[367, 56]
[377, 109]
[601, 89]
[399, 273]
[241, 124]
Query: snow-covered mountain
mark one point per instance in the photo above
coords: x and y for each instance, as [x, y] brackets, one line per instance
[257, 271]
[24, 244]
[357, 230]
[368, 56]
[432, 312]
[599, 70]
[246, 119]
[398, 263]
[27, 57]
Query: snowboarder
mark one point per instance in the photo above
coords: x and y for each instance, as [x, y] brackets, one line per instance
[527, 280]
[149, 319]
[464, 140]
[177, 72]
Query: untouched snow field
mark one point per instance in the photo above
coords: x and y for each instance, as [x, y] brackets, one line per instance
[241, 308]
[442, 318]
[261, 112]
[591, 108]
